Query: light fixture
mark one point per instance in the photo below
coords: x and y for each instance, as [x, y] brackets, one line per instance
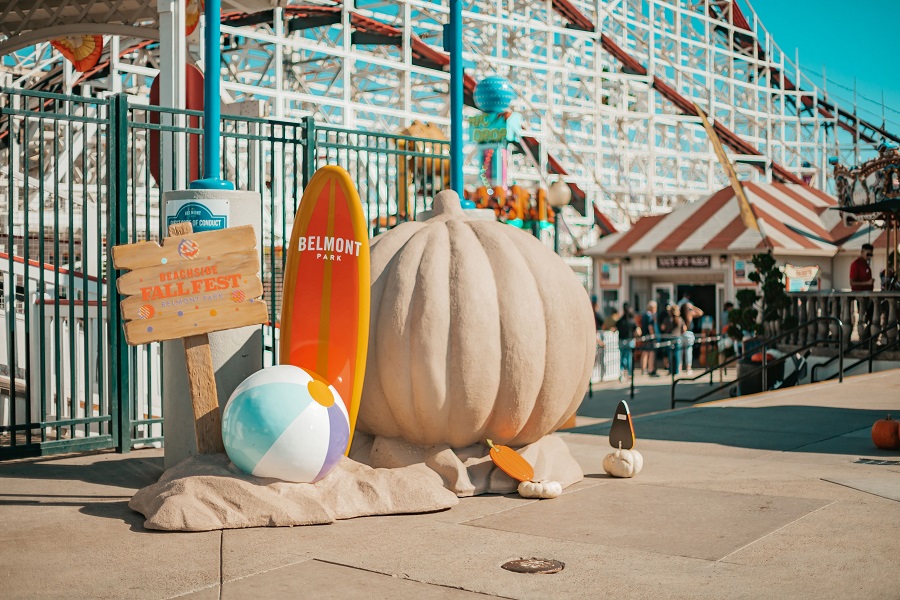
[723, 258]
[559, 194]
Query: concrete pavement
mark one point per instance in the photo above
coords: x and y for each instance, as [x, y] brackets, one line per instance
[774, 495]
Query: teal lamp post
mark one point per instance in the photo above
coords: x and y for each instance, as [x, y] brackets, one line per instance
[211, 110]
[453, 45]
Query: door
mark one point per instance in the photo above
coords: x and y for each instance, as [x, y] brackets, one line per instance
[663, 293]
[704, 298]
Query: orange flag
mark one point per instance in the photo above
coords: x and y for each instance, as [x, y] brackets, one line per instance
[83, 51]
[192, 15]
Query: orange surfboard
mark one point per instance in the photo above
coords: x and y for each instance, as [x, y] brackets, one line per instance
[325, 302]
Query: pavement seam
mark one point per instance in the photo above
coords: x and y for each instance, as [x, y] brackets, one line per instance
[786, 525]
[856, 489]
[221, 562]
[587, 486]
[826, 439]
[291, 564]
[407, 578]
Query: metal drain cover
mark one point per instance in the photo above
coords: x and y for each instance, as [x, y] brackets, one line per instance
[534, 565]
[875, 461]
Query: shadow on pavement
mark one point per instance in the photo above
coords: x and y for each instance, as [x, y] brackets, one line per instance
[650, 395]
[118, 511]
[780, 428]
[128, 472]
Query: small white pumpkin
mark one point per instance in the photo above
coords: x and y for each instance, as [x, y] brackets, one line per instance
[540, 489]
[623, 463]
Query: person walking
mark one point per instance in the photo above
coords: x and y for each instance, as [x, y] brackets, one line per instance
[628, 330]
[649, 328]
[689, 312]
[674, 338]
[600, 358]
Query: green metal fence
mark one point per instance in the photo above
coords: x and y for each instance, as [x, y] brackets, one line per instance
[80, 175]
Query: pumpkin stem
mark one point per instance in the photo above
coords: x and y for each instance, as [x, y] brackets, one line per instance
[490, 443]
[447, 203]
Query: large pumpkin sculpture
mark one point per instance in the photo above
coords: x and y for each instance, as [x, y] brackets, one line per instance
[477, 331]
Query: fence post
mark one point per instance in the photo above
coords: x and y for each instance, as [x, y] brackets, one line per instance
[119, 355]
[309, 158]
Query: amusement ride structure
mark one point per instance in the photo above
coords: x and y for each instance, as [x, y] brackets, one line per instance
[615, 108]
[611, 94]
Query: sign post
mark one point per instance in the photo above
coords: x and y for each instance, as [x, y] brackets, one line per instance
[191, 285]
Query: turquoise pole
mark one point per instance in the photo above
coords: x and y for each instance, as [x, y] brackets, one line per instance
[454, 46]
[212, 113]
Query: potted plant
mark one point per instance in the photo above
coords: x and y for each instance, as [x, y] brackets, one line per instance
[756, 318]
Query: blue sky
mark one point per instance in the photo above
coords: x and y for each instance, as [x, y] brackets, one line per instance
[858, 39]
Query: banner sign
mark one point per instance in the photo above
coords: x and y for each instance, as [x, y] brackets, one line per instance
[742, 267]
[610, 275]
[801, 279]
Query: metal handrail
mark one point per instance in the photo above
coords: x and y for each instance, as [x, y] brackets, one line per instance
[869, 341]
[661, 342]
[765, 364]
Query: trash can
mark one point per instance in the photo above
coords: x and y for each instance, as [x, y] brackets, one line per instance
[752, 383]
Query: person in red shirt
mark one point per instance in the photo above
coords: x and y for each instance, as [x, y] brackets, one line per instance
[861, 281]
[860, 272]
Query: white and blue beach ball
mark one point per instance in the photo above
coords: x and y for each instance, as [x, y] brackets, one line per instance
[286, 423]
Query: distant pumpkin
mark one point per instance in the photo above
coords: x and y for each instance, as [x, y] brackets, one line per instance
[478, 330]
[885, 434]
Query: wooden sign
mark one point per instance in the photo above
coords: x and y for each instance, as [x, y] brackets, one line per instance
[194, 284]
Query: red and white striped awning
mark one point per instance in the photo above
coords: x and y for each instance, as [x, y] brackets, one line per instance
[793, 219]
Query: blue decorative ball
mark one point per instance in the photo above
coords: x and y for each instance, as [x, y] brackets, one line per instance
[286, 423]
[494, 94]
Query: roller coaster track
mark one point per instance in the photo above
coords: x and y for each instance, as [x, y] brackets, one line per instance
[367, 30]
[578, 20]
[846, 120]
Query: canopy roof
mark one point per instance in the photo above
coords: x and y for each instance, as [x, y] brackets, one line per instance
[27, 22]
[793, 219]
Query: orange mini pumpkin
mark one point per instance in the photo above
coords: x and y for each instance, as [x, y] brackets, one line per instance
[885, 434]
[511, 462]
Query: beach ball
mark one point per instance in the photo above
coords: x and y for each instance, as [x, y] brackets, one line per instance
[286, 423]
[493, 94]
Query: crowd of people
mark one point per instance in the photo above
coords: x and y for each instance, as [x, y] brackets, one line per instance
[660, 338]
[664, 337]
